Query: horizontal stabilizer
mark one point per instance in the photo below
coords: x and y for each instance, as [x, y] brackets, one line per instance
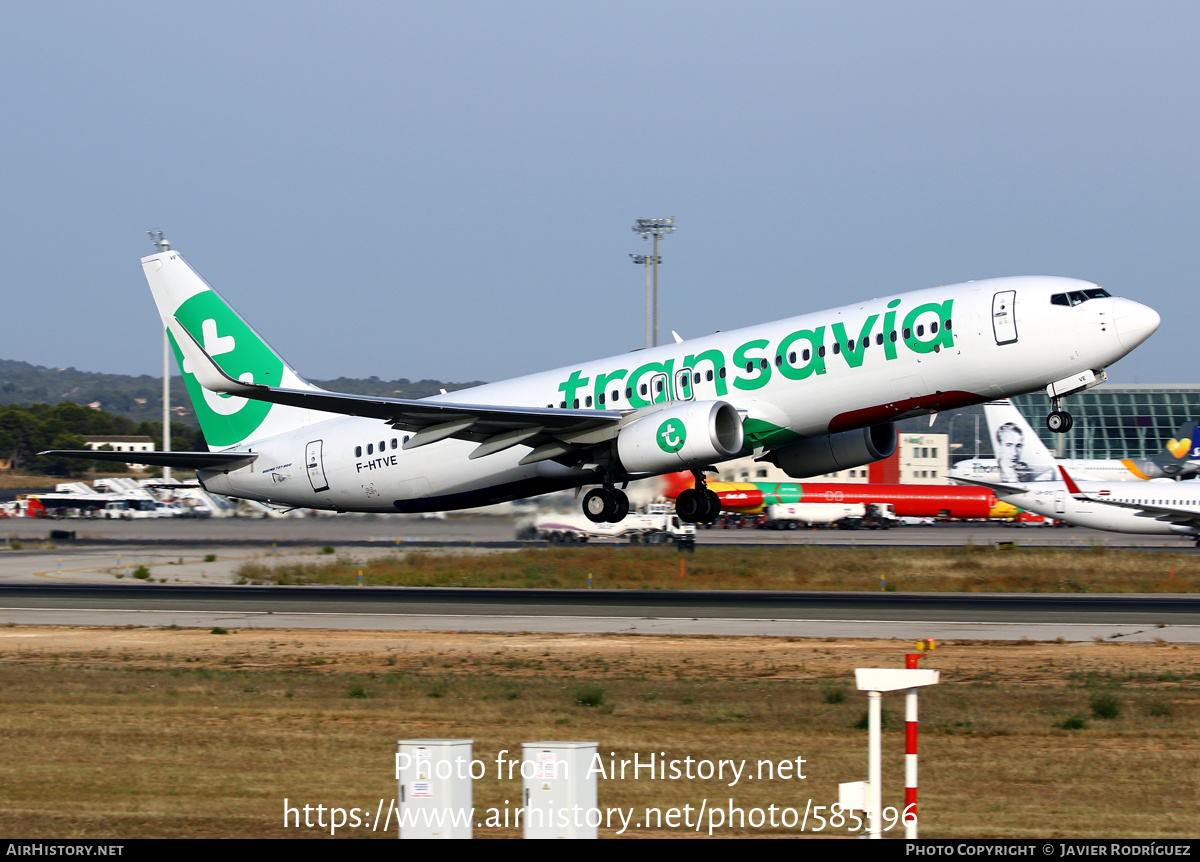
[999, 487]
[178, 460]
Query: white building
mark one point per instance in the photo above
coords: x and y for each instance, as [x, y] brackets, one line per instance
[123, 444]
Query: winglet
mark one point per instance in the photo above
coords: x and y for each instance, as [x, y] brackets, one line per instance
[1071, 486]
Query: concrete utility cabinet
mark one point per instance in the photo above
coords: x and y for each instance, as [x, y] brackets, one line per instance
[434, 796]
[560, 796]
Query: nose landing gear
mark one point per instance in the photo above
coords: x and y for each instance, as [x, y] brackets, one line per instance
[1059, 421]
[698, 505]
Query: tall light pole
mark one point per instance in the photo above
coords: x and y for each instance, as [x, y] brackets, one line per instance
[161, 245]
[657, 228]
[644, 260]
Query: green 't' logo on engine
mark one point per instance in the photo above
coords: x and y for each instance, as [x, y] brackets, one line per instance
[226, 419]
[671, 435]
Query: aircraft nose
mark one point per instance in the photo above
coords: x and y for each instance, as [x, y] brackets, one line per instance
[1135, 322]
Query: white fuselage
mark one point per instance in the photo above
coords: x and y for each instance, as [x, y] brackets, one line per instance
[965, 344]
[1110, 470]
[1053, 500]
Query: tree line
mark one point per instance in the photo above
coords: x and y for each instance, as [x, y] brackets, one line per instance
[27, 430]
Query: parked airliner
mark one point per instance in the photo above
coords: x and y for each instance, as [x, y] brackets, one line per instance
[1022, 457]
[1032, 480]
[1157, 508]
[812, 394]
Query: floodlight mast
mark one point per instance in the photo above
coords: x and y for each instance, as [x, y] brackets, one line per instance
[644, 260]
[657, 228]
[161, 245]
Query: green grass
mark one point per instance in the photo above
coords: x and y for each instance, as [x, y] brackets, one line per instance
[796, 567]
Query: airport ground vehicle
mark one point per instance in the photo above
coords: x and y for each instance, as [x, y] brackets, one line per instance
[133, 510]
[658, 524]
[845, 516]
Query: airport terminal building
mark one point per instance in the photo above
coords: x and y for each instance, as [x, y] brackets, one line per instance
[1113, 421]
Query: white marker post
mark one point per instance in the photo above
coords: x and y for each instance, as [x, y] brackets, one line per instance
[875, 681]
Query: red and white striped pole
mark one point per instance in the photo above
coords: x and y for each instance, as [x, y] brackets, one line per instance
[909, 814]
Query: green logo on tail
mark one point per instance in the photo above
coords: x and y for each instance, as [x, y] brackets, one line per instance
[226, 419]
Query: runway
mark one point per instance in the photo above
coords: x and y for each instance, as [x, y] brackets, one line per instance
[1171, 618]
[501, 532]
[88, 581]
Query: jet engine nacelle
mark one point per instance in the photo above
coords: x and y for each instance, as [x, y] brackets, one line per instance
[835, 452]
[689, 435]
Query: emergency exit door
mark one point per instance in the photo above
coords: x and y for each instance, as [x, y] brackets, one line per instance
[1004, 321]
[316, 468]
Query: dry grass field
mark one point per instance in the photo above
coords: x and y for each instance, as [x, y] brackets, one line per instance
[796, 567]
[166, 732]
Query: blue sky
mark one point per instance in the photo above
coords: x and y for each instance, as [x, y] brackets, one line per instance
[447, 189]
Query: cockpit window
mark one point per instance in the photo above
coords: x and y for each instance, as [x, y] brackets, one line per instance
[1078, 297]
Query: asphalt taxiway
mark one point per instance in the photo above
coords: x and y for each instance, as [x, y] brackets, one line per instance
[89, 581]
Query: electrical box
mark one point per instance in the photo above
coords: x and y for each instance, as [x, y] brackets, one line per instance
[854, 795]
[434, 796]
[560, 794]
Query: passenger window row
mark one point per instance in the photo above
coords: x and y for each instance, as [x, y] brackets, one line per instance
[805, 355]
[383, 446]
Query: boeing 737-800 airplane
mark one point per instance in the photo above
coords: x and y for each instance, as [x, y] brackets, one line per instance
[1157, 508]
[812, 394]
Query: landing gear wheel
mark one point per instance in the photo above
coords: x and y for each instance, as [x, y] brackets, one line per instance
[622, 507]
[690, 505]
[714, 507]
[599, 504]
[1059, 421]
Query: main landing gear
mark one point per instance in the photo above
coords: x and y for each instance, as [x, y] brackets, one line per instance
[1059, 421]
[698, 505]
[606, 504]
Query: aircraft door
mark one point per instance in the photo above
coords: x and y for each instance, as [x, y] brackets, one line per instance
[1060, 502]
[1004, 321]
[684, 388]
[315, 466]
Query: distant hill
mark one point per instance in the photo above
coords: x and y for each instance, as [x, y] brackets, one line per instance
[140, 398]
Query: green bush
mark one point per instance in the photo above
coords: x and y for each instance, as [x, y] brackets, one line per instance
[210, 558]
[1106, 706]
[835, 695]
[219, 631]
[589, 695]
[864, 722]
[141, 573]
[1075, 722]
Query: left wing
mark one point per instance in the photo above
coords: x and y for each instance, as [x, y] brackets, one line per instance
[552, 433]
